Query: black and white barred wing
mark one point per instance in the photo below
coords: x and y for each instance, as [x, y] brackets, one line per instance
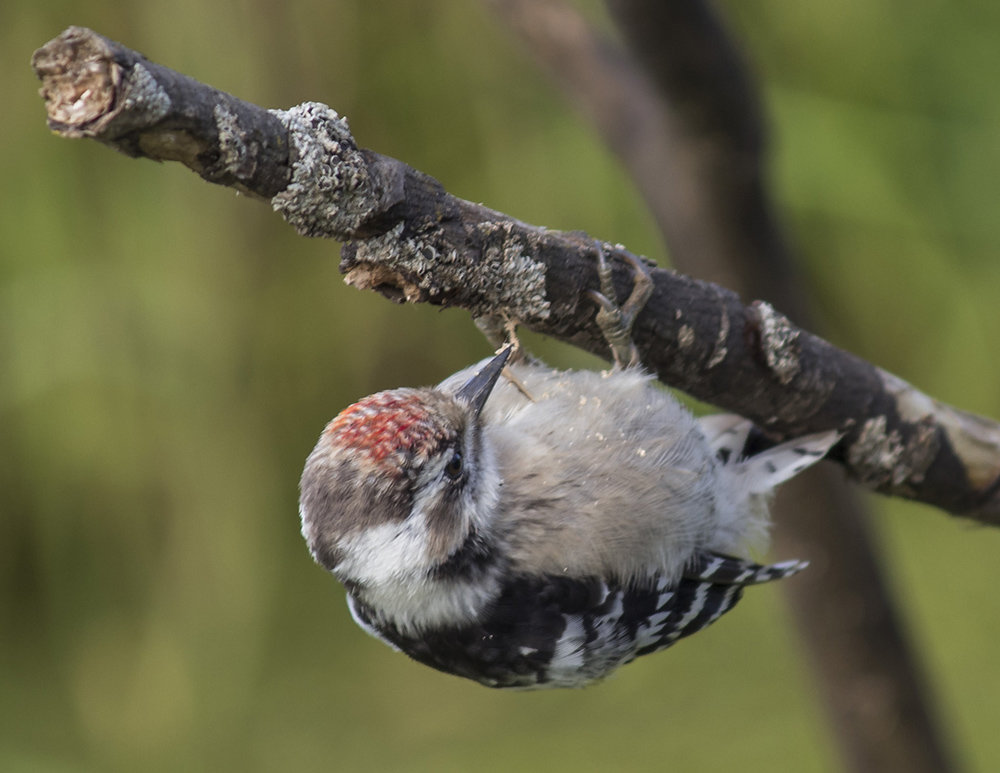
[568, 632]
[709, 588]
[608, 625]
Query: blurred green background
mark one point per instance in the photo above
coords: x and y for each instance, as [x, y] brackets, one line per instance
[169, 353]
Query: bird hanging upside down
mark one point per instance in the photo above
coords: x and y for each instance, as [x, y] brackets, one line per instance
[543, 530]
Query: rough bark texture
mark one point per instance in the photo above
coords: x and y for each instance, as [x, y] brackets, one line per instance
[411, 240]
[94, 87]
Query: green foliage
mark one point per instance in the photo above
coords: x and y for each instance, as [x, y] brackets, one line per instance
[169, 352]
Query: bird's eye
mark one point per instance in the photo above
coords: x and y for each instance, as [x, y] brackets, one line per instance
[453, 469]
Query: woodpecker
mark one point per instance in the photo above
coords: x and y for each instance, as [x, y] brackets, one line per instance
[543, 529]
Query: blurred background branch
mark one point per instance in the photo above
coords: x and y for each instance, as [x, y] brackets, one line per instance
[700, 163]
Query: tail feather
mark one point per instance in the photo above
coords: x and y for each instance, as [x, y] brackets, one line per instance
[726, 433]
[718, 569]
[711, 586]
[774, 466]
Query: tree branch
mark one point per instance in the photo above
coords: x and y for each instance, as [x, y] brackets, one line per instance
[411, 240]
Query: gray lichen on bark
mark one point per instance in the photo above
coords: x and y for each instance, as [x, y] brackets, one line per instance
[778, 342]
[237, 156]
[506, 280]
[331, 193]
[145, 96]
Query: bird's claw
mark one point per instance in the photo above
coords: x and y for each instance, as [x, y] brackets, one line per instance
[616, 321]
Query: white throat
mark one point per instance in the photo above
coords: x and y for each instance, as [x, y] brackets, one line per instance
[431, 603]
[390, 564]
[397, 565]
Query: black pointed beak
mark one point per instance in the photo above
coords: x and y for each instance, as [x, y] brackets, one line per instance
[477, 389]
